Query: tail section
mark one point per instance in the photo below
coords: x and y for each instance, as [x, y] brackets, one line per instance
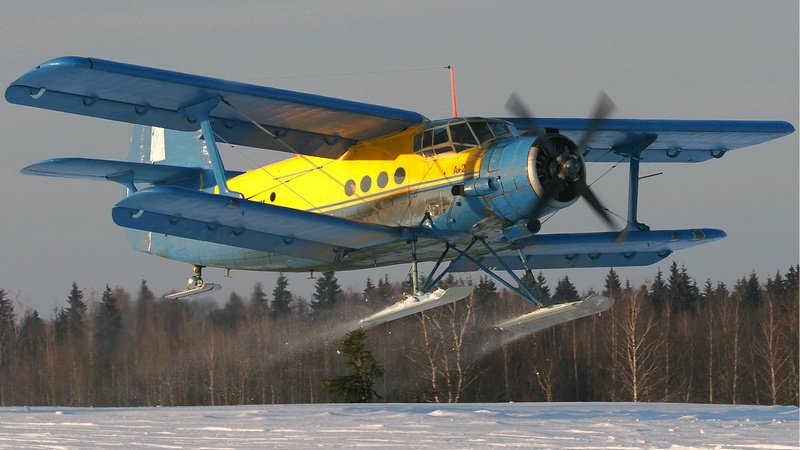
[155, 145]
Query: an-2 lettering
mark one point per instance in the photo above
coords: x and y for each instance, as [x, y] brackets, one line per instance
[460, 169]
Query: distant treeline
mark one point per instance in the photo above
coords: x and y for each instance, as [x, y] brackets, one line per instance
[669, 340]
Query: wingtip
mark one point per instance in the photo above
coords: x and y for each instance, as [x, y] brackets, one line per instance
[80, 62]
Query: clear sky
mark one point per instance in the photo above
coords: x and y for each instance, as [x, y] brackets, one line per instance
[677, 59]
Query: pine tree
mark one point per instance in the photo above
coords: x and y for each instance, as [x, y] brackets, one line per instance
[31, 339]
[486, 290]
[407, 286]
[327, 292]
[775, 287]
[107, 330]
[791, 281]
[659, 293]
[232, 314]
[385, 291]
[370, 292]
[8, 329]
[76, 311]
[358, 386]
[683, 291]
[544, 291]
[447, 282]
[750, 291]
[565, 292]
[281, 298]
[145, 305]
[613, 287]
[7, 322]
[259, 303]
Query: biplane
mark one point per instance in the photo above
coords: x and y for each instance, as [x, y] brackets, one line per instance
[368, 185]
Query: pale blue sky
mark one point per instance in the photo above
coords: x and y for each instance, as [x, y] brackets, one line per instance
[677, 59]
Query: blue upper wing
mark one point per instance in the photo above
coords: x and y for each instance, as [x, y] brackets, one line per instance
[325, 126]
[304, 123]
[662, 140]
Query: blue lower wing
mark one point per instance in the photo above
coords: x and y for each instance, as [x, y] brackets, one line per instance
[241, 223]
[576, 250]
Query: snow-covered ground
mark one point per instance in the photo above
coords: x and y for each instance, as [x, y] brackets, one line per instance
[428, 426]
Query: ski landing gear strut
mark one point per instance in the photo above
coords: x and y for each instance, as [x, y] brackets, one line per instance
[544, 317]
[422, 299]
[195, 286]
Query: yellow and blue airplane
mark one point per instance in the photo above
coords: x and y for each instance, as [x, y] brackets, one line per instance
[366, 185]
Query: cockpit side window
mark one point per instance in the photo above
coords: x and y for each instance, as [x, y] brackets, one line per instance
[462, 136]
[440, 136]
[459, 135]
[433, 142]
[500, 129]
[483, 131]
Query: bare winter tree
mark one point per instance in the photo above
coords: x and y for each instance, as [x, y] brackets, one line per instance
[636, 347]
[444, 333]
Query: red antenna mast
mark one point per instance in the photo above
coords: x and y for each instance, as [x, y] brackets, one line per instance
[453, 89]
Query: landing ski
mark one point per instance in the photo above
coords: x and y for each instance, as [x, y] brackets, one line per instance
[191, 292]
[417, 303]
[553, 315]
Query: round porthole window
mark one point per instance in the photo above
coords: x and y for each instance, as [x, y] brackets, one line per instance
[366, 183]
[272, 197]
[399, 175]
[350, 187]
[383, 180]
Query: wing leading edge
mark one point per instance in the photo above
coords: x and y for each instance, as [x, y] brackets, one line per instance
[664, 141]
[305, 123]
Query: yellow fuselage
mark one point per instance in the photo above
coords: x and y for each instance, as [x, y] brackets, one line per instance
[380, 181]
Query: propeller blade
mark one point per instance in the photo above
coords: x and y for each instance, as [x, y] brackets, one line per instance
[552, 190]
[516, 106]
[602, 109]
[598, 208]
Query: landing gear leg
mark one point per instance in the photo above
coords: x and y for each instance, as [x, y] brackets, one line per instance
[194, 286]
[196, 281]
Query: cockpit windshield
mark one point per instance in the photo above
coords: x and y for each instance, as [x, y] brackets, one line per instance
[456, 135]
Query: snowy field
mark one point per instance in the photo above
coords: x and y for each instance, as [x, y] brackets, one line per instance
[428, 426]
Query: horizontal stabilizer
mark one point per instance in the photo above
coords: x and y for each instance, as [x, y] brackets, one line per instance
[125, 172]
[553, 315]
[418, 303]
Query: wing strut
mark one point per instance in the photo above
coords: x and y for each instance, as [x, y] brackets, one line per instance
[200, 112]
[634, 149]
[522, 289]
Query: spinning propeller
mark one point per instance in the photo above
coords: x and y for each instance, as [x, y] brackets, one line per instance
[562, 167]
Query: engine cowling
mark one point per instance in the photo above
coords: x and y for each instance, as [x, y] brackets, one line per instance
[516, 174]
